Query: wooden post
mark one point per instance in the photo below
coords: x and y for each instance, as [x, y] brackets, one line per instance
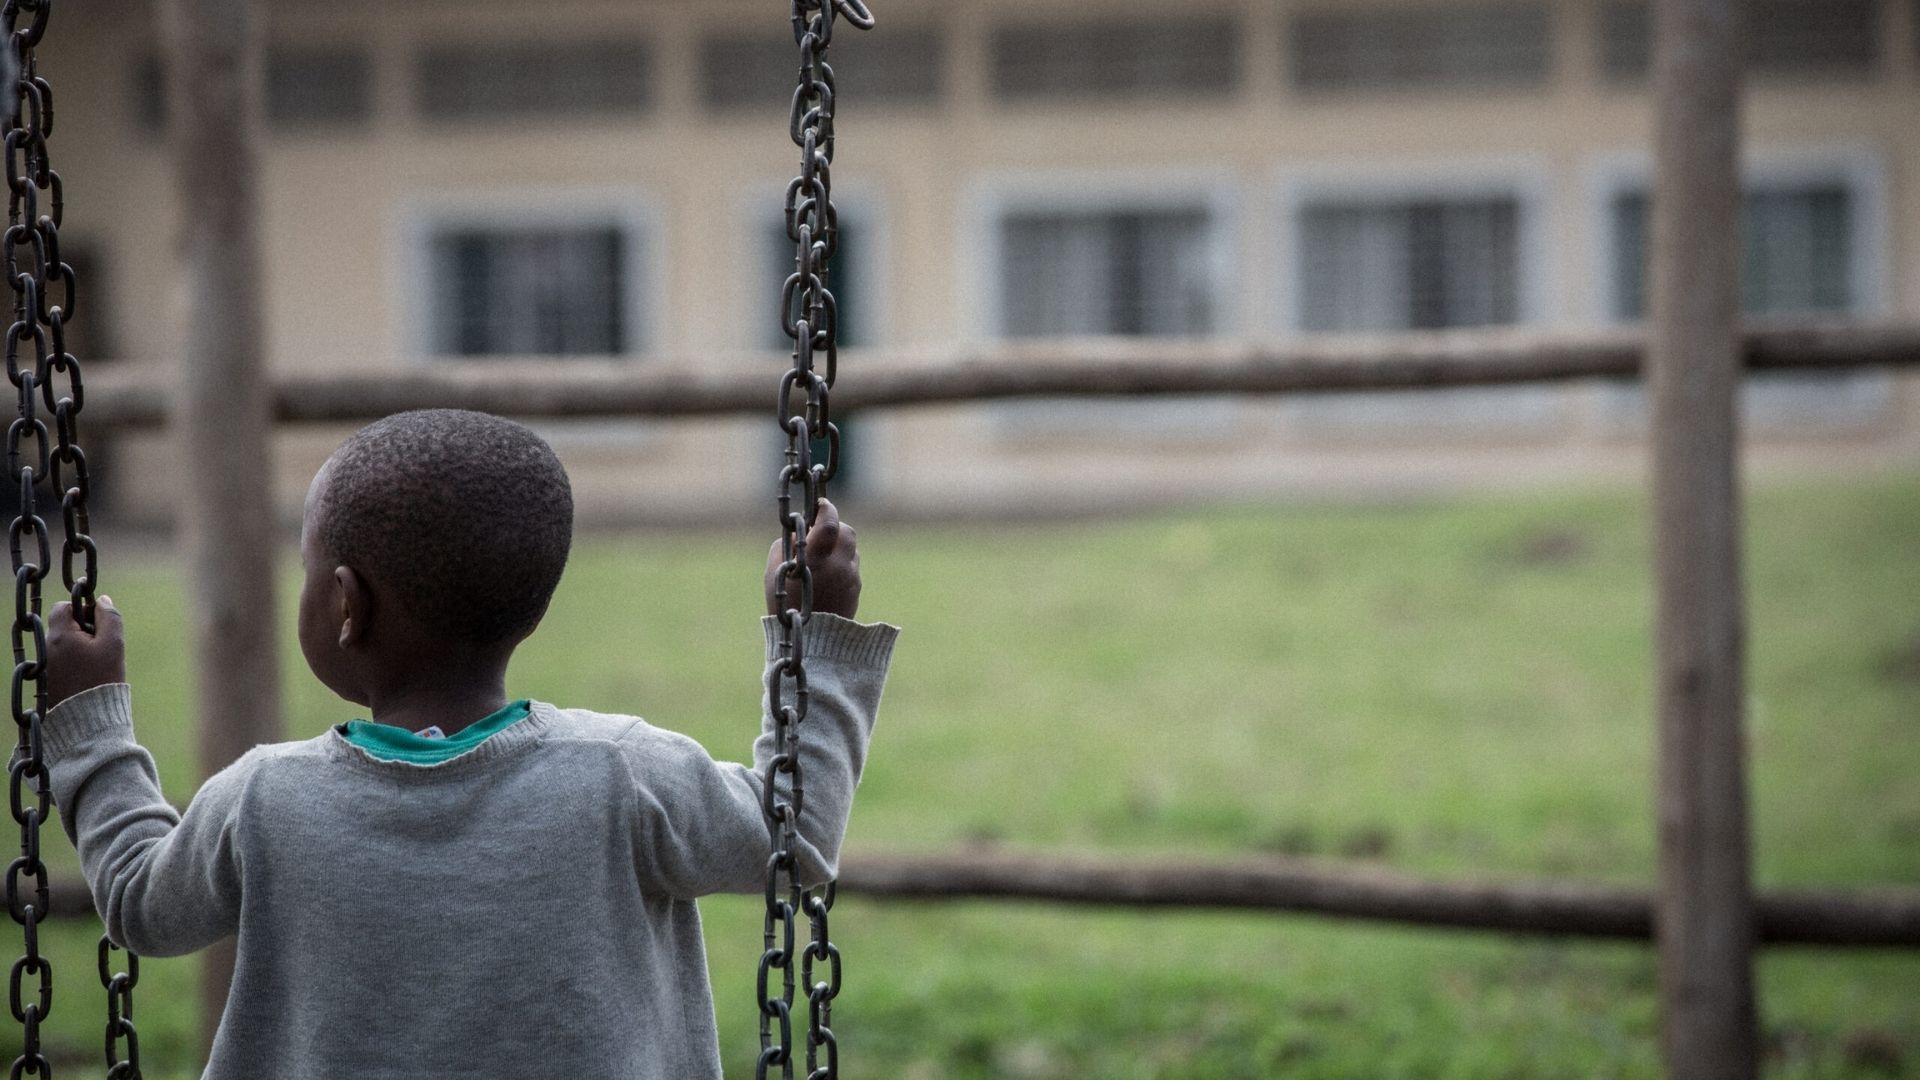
[226, 515]
[1705, 913]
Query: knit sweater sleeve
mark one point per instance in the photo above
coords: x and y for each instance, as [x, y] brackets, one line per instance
[699, 824]
[164, 883]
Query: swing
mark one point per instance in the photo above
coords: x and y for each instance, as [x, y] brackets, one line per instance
[808, 315]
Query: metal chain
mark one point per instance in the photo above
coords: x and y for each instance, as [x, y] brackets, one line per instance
[810, 317]
[119, 986]
[43, 303]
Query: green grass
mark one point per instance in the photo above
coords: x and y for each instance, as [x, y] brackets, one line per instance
[1456, 689]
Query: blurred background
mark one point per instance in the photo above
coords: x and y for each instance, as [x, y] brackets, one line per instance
[1408, 631]
[476, 183]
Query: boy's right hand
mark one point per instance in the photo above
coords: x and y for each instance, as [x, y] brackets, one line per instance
[77, 660]
[834, 561]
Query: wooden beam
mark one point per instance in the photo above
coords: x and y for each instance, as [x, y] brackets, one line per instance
[1705, 910]
[667, 387]
[1872, 919]
[214, 52]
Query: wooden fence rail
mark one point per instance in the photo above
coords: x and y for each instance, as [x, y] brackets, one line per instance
[1878, 918]
[677, 387]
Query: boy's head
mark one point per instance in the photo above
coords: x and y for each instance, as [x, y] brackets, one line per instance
[431, 535]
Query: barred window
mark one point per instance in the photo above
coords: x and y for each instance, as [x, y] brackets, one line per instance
[318, 85]
[1782, 37]
[1410, 265]
[520, 78]
[308, 86]
[757, 71]
[1191, 56]
[1799, 250]
[1134, 272]
[1428, 263]
[512, 291]
[1130, 271]
[1799, 259]
[1502, 44]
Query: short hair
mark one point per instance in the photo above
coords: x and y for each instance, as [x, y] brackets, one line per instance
[465, 518]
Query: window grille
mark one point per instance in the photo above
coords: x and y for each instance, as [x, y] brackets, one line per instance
[472, 81]
[1782, 37]
[1124, 272]
[310, 86]
[1417, 265]
[1132, 271]
[1186, 56]
[1798, 260]
[1357, 49]
[502, 291]
[755, 71]
[307, 87]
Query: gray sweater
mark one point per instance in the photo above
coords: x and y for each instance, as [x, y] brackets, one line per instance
[524, 909]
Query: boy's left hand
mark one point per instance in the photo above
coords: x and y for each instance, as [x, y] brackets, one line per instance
[77, 660]
[833, 559]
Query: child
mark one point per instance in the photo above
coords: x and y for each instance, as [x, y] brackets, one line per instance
[466, 886]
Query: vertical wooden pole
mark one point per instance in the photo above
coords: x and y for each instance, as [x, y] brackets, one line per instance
[226, 512]
[1705, 912]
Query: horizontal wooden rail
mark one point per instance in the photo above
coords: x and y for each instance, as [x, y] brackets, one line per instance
[1875, 918]
[1865, 918]
[1102, 368]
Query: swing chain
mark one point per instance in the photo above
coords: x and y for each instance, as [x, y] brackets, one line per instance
[44, 297]
[119, 986]
[810, 317]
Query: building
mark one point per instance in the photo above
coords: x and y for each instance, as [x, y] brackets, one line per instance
[477, 182]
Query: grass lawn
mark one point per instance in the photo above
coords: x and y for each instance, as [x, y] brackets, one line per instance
[1458, 688]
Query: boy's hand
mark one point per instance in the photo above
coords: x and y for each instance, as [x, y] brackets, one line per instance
[77, 660]
[834, 562]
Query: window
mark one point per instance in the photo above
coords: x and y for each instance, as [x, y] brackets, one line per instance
[1396, 48]
[312, 86]
[1799, 251]
[1413, 263]
[1783, 37]
[529, 78]
[530, 291]
[1186, 55]
[1125, 266]
[1801, 239]
[756, 71]
[1129, 272]
[1421, 265]
[308, 87]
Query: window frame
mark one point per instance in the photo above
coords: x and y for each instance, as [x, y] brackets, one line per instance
[1528, 180]
[1856, 167]
[980, 264]
[1533, 413]
[420, 217]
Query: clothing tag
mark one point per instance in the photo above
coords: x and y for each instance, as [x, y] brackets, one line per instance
[433, 732]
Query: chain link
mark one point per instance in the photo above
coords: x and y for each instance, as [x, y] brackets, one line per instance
[43, 303]
[810, 318]
[119, 986]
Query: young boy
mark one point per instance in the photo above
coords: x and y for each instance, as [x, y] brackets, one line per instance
[466, 886]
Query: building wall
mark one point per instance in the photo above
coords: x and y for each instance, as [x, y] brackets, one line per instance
[343, 209]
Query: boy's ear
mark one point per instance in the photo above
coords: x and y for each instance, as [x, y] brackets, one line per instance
[355, 602]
